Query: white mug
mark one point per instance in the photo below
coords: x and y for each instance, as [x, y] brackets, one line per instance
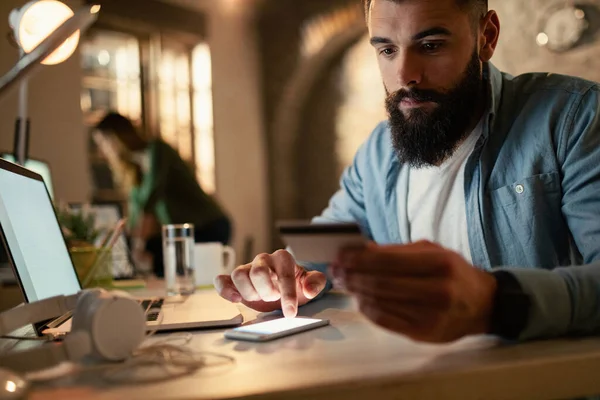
[212, 259]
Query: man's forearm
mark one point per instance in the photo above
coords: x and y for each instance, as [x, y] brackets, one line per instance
[563, 301]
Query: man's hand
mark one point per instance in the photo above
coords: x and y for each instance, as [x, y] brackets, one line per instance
[271, 282]
[420, 290]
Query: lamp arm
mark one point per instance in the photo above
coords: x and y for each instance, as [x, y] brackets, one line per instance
[28, 64]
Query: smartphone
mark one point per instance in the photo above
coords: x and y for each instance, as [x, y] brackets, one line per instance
[320, 242]
[274, 329]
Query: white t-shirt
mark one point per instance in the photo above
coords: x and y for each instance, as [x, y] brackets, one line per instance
[436, 208]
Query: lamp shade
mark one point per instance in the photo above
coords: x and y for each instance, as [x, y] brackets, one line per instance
[37, 19]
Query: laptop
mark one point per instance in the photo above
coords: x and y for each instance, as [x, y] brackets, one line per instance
[41, 262]
[42, 168]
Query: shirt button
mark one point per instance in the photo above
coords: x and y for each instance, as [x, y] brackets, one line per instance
[519, 189]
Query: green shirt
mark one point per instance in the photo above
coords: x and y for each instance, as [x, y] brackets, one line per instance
[169, 190]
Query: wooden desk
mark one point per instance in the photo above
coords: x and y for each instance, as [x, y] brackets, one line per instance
[352, 359]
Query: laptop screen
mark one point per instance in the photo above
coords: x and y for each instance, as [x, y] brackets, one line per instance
[34, 238]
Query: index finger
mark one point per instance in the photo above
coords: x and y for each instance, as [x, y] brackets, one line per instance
[285, 268]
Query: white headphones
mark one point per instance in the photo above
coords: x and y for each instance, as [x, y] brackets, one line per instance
[106, 326]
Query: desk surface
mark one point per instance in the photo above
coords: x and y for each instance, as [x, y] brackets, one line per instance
[354, 359]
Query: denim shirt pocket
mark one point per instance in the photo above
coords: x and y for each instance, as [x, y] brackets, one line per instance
[524, 189]
[526, 223]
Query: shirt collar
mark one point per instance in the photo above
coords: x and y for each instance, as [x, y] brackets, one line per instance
[493, 78]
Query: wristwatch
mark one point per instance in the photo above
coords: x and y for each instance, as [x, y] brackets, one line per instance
[510, 311]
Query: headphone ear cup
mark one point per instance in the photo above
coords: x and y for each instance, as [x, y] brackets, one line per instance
[84, 303]
[77, 345]
[117, 326]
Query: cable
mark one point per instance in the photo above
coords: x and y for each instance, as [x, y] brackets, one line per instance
[165, 358]
[162, 360]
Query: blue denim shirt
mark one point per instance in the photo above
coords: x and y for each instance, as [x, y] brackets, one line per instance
[532, 193]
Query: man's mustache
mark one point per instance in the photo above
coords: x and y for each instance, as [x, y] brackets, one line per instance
[420, 95]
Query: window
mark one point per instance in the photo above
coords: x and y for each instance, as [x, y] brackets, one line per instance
[203, 117]
[174, 98]
[111, 81]
[186, 107]
[175, 120]
[111, 64]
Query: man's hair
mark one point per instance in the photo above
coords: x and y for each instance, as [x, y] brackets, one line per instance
[120, 126]
[478, 8]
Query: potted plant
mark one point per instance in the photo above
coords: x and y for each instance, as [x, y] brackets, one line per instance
[80, 232]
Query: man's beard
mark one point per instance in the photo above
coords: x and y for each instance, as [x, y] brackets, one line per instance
[427, 138]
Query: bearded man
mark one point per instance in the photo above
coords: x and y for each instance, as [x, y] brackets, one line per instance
[480, 194]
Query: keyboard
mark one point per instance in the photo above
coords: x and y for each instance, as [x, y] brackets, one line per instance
[152, 308]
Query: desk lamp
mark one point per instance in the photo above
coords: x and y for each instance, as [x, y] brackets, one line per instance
[47, 32]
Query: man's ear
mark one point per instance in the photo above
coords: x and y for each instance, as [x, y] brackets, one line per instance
[489, 32]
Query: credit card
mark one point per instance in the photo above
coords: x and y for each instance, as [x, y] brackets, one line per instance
[319, 242]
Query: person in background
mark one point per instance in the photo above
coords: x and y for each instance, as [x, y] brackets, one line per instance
[161, 187]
